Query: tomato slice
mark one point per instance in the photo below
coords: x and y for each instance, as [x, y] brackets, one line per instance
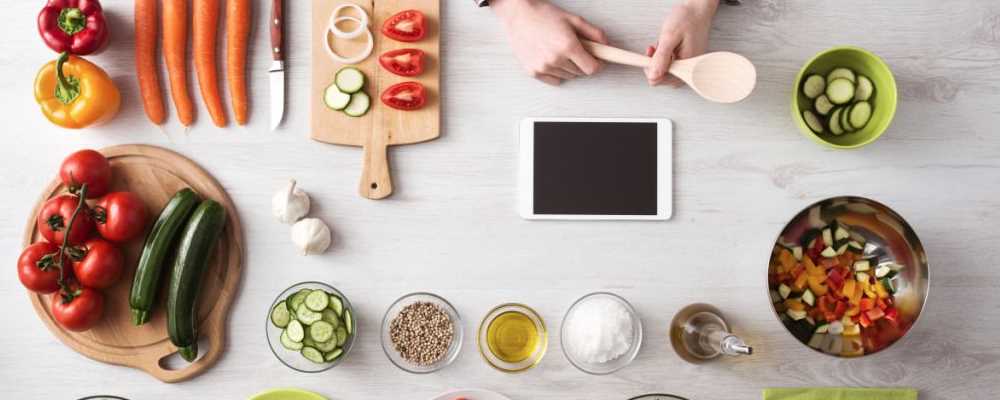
[403, 62]
[404, 96]
[405, 26]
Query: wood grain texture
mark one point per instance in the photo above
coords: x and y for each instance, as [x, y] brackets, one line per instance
[741, 171]
[382, 126]
[154, 174]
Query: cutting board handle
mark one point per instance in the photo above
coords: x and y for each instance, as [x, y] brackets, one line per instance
[376, 183]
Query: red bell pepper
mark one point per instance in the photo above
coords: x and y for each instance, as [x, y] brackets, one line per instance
[875, 314]
[866, 304]
[74, 26]
[892, 315]
[864, 321]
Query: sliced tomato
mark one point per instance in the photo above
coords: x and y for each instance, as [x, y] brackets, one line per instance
[405, 26]
[404, 96]
[403, 62]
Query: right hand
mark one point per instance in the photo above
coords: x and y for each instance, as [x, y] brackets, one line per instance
[546, 39]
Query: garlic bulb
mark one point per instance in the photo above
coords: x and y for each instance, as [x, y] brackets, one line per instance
[311, 235]
[290, 204]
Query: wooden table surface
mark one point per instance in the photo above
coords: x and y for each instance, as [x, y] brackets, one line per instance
[741, 171]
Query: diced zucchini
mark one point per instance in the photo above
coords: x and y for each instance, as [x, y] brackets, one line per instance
[288, 343]
[784, 290]
[797, 252]
[841, 249]
[829, 252]
[865, 89]
[889, 285]
[840, 73]
[321, 331]
[312, 354]
[859, 114]
[862, 277]
[336, 305]
[862, 265]
[823, 328]
[775, 297]
[840, 91]
[809, 298]
[841, 233]
[881, 271]
[317, 300]
[823, 105]
[895, 266]
[813, 86]
[295, 331]
[796, 314]
[812, 121]
[280, 316]
[854, 246]
[828, 237]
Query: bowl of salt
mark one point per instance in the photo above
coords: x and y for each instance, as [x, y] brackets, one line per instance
[601, 333]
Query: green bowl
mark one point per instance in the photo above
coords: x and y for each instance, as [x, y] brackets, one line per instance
[883, 100]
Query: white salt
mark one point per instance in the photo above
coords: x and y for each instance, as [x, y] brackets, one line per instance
[599, 330]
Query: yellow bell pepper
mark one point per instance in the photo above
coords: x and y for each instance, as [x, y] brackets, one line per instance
[74, 93]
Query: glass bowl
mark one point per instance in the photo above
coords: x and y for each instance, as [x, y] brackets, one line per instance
[612, 365]
[520, 366]
[456, 341]
[293, 359]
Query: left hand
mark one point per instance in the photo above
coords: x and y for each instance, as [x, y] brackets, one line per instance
[684, 34]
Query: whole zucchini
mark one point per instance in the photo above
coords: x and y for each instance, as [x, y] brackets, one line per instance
[193, 252]
[158, 243]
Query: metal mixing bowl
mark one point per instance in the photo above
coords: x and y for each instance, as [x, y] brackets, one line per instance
[888, 239]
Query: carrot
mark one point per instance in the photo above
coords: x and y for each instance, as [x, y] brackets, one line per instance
[205, 28]
[146, 69]
[175, 55]
[237, 35]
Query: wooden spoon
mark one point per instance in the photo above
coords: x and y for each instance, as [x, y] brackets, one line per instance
[720, 76]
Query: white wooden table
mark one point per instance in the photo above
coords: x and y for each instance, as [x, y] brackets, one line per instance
[451, 228]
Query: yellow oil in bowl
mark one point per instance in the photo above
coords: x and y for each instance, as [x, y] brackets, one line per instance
[512, 337]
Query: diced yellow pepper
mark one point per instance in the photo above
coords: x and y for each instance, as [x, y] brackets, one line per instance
[795, 304]
[817, 284]
[880, 291]
[800, 281]
[848, 288]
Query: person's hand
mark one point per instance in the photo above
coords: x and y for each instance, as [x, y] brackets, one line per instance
[546, 39]
[684, 34]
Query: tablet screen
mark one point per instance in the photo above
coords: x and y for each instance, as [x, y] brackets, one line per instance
[595, 168]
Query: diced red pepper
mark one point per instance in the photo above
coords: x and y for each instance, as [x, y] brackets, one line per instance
[875, 314]
[892, 314]
[864, 321]
[835, 279]
[841, 309]
[882, 305]
[829, 262]
[866, 304]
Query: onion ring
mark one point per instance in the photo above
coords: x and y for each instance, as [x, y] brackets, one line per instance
[332, 26]
[355, 59]
[363, 21]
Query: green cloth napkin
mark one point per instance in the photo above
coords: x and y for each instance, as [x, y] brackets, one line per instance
[839, 394]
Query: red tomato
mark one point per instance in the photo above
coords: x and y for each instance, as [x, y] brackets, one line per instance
[403, 62]
[36, 268]
[78, 308]
[55, 218]
[120, 216]
[404, 96]
[101, 266]
[86, 166]
[405, 26]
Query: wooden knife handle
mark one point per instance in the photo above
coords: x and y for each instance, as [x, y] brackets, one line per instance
[277, 28]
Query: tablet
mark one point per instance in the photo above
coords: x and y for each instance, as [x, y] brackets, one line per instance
[596, 168]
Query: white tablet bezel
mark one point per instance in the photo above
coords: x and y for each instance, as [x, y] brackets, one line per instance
[664, 170]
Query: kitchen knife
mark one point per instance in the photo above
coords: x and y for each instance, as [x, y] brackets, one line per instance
[276, 74]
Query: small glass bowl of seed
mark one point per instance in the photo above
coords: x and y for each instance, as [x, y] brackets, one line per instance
[311, 327]
[421, 333]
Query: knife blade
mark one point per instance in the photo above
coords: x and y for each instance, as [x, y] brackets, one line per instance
[276, 74]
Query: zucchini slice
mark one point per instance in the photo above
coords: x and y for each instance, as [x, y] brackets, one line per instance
[349, 80]
[334, 98]
[341, 336]
[336, 305]
[840, 91]
[288, 343]
[813, 86]
[333, 355]
[812, 121]
[844, 123]
[331, 317]
[312, 354]
[298, 298]
[317, 300]
[865, 89]
[307, 316]
[348, 322]
[840, 73]
[359, 105]
[295, 331]
[280, 316]
[835, 127]
[320, 331]
[859, 114]
[823, 105]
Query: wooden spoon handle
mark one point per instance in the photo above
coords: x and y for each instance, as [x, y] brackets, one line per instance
[616, 55]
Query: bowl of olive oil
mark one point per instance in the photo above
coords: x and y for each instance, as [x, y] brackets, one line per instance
[512, 338]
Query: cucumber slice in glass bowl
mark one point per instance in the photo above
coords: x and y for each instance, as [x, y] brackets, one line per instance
[307, 327]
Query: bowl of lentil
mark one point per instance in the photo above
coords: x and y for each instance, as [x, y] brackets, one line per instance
[421, 333]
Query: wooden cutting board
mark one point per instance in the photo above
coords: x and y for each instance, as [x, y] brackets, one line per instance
[382, 126]
[154, 174]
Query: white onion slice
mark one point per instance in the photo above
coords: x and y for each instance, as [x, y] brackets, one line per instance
[336, 13]
[334, 20]
[355, 59]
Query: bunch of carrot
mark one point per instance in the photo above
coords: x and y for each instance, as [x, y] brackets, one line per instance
[205, 16]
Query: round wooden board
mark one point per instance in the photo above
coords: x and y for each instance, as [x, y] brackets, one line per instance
[154, 174]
